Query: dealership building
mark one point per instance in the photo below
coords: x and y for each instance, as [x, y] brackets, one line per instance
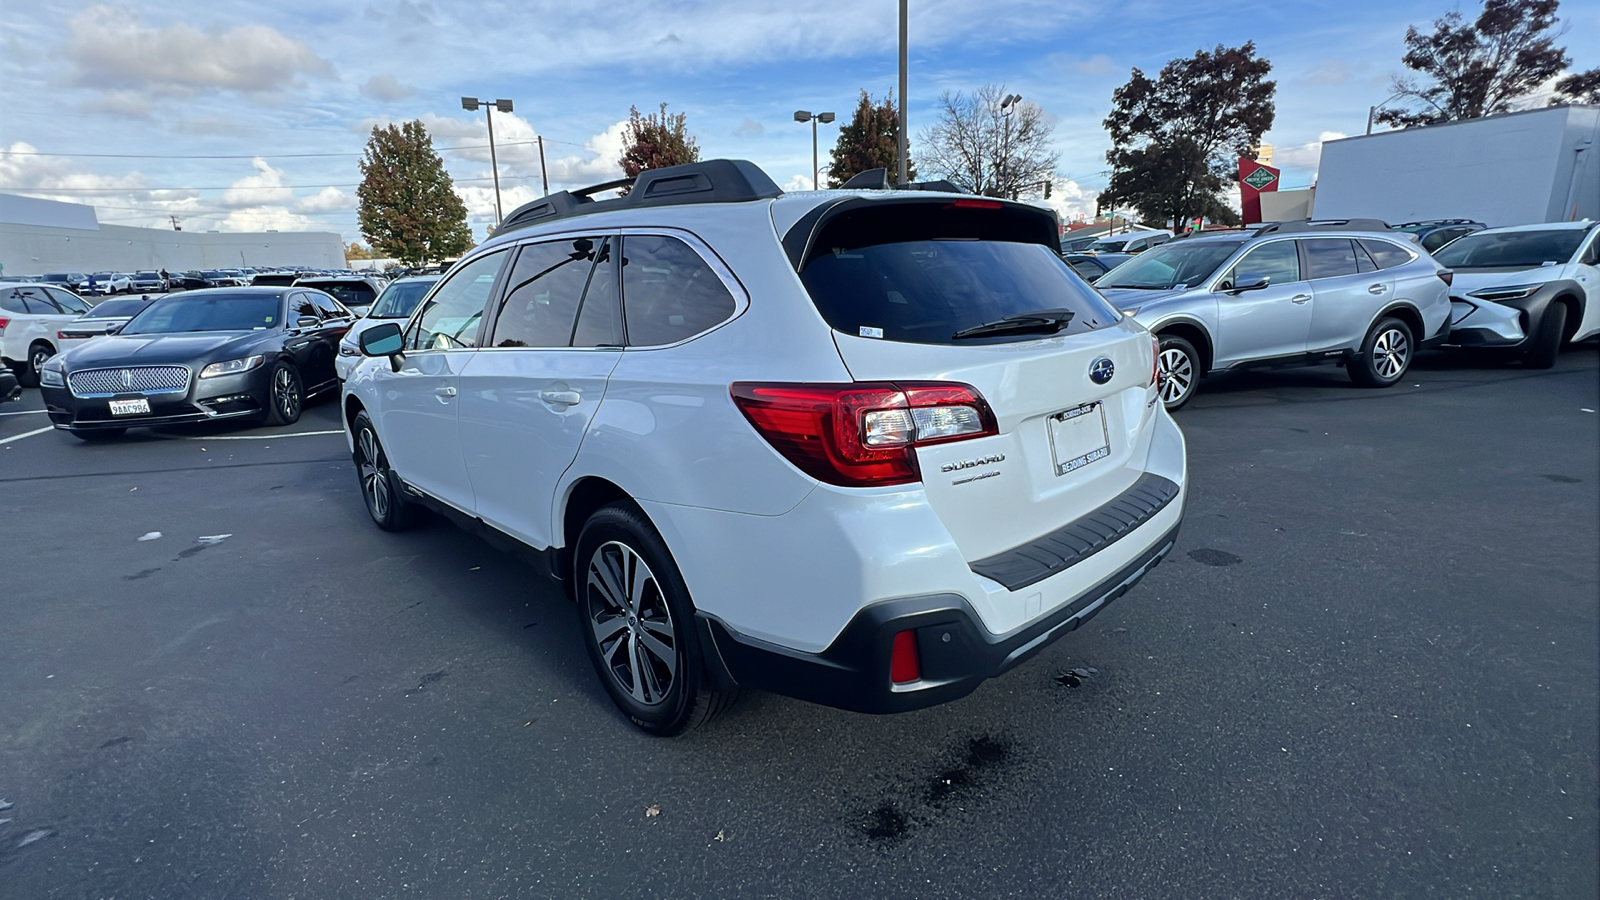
[40, 236]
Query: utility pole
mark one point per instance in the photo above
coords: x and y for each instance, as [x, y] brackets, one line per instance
[542, 173]
[174, 223]
[900, 129]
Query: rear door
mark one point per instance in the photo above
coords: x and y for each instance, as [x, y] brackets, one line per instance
[416, 405]
[1066, 444]
[528, 395]
[1269, 322]
[1348, 290]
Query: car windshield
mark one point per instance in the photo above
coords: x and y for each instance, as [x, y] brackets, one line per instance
[1525, 249]
[218, 311]
[112, 309]
[399, 299]
[1170, 265]
[924, 292]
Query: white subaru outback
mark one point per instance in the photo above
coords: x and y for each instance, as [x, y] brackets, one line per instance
[864, 447]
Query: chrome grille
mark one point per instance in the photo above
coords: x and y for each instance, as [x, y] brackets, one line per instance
[129, 380]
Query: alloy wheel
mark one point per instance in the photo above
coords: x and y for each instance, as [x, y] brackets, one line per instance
[1389, 354]
[40, 356]
[286, 393]
[631, 623]
[1177, 374]
[374, 479]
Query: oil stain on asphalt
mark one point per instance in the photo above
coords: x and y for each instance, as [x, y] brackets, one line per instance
[888, 821]
[1208, 557]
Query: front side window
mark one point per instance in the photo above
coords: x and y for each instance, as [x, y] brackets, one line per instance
[1329, 257]
[1276, 262]
[450, 316]
[328, 307]
[669, 293]
[543, 293]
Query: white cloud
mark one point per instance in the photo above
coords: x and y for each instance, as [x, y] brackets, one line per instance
[1071, 200]
[750, 128]
[386, 88]
[262, 188]
[329, 199]
[1304, 156]
[797, 183]
[110, 48]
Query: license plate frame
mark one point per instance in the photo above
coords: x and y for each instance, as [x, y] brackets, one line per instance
[1078, 437]
[139, 407]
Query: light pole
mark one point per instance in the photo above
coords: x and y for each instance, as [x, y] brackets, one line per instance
[900, 128]
[471, 104]
[1007, 106]
[803, 116]
[1373, 110]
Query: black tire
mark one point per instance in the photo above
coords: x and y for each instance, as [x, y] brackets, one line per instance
[380, 486]
[1385, 355]
[1546, 344]
[97, 435]
[646, 625]
[1180, 371]
[286, 395]
[28, 372]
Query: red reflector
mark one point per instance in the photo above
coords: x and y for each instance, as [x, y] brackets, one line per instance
[903, 664]
[1446, 276]
[975, 204]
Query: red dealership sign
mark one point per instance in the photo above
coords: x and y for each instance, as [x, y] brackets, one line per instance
[1253, 179]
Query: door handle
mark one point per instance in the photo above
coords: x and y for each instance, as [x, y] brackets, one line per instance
[561, 398]
[446, 392]
[1300, 298]
[1378, 289]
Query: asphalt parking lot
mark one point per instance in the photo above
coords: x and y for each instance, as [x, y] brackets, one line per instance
[1370, 669]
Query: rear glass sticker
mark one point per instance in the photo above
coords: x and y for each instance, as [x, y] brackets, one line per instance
[869, 331]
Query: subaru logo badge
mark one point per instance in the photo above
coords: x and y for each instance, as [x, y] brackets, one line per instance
[1100, 370]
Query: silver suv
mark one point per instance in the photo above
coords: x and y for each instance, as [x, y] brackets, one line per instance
[1291, 293]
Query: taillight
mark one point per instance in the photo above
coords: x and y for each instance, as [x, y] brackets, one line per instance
[1155, 360]
[3, 324]
[1446, 276]
[903, 663]
[863, 433]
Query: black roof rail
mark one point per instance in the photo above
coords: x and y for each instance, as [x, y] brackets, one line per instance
[1432, 222]
[708, 181]
[1323, 225]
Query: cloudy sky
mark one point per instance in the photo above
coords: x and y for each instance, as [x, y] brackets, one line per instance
[249, 116]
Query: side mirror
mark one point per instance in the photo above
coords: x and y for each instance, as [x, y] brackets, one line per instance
[307, 322]
[1252, 283]
[382, 340]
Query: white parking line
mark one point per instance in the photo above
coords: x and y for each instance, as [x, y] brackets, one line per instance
[260, 437]
[27, 434]
[25, 412]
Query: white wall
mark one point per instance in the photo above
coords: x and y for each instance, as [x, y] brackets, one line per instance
[35, 249]
[1286, 206]
[1515, 169]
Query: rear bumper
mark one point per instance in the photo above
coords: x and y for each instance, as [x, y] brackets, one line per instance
[955, 652]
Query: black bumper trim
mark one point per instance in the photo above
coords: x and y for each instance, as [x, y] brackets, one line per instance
[1080, 539]
[955, 651]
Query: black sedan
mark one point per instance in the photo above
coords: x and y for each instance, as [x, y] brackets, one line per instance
[200, 356]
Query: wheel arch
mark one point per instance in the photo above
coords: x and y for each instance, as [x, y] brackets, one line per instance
[582, 498]
[1573, 300]
[1405, 311]
[1193, 332]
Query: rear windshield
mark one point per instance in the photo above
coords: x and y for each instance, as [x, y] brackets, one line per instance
[350, 293]
[210, 311]
[1180, 263]
[923, 292]
[399, 299]
[1525, 249]
[114, 308]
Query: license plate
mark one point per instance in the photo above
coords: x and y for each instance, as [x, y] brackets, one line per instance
[130, 407]
[1078, 437]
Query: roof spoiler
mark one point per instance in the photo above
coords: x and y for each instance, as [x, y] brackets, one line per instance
[878, 180]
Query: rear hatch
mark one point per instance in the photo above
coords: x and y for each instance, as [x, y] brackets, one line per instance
[1069, 388]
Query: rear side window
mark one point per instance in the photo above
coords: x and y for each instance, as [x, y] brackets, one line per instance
[1329, 257]
[70, 303]
[1385, 254]
[450, 316]
[545, 288]
[668, 292]
[328, 307]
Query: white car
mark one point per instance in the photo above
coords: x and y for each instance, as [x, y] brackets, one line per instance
[31, 317]
[1530, 288]
[1130, 242]
[396, 304]
[863, 447]
[107, 283]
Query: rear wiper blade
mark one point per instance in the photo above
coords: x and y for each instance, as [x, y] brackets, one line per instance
[1040, 321]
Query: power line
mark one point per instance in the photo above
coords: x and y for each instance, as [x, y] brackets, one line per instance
[264, 155]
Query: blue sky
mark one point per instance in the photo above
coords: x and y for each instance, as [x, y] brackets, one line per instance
[256, 84]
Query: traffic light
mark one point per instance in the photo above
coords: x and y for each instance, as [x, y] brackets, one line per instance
[1047, 190]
